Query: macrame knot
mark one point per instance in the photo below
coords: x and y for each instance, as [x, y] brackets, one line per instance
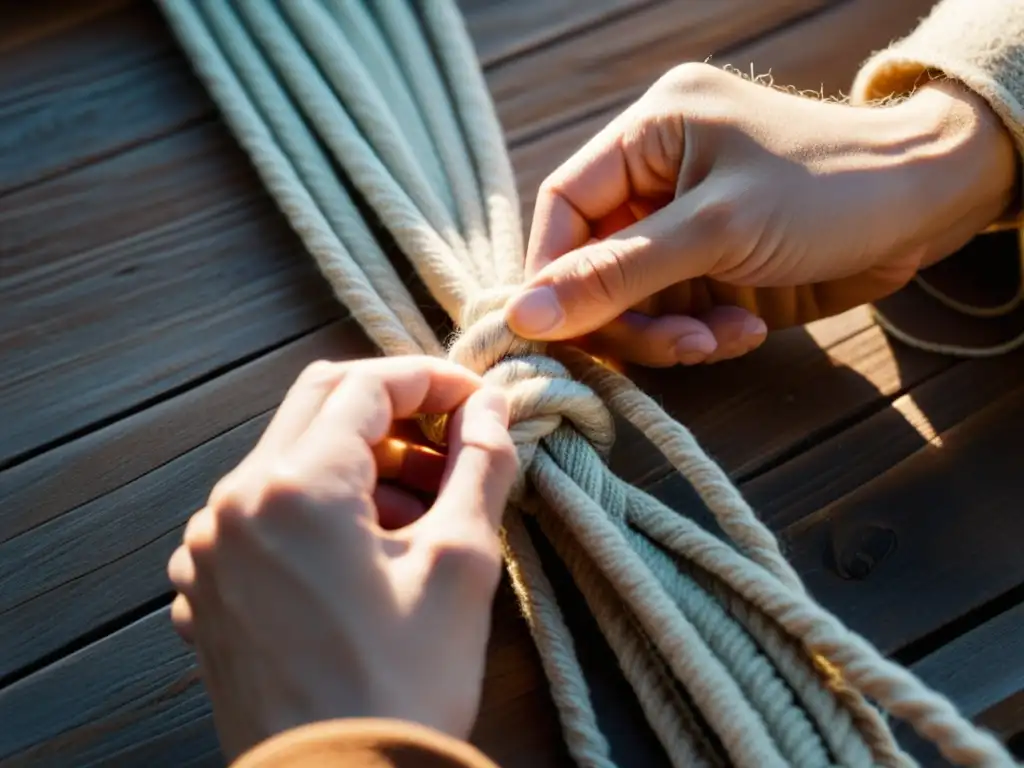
[542, 393]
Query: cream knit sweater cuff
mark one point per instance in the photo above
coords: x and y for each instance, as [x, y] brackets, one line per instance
[978, 42]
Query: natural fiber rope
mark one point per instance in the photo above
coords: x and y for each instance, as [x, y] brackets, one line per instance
[711, 634]
[962, 350]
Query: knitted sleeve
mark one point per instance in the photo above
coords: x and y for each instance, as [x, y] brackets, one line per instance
[362, 744]
[977, 42]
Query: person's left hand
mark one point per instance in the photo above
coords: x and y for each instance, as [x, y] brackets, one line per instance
[312, 592]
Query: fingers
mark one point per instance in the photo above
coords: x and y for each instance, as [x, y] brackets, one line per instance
[622, 171]
[657, 342]
[591, 185]
[482, 466]
[720, 334]
[413, 384]
[584, 290]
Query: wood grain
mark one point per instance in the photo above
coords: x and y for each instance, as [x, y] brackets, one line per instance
[932, 538]
[769, 406]
[904, 523]
[116, 77]
[502, 30]
[82, 470]
[129, 278]
[835, 467]
[620, 59]
[113, 80]
[109, 213]
[981, 671]
[717, 401]
[137, 694]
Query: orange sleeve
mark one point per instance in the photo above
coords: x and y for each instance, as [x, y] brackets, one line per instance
[358, 743]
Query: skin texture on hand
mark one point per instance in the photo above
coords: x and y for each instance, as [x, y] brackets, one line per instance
[312, 591]
[715, 208]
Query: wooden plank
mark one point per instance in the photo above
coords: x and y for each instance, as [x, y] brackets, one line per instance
[502, 30]
[136, 693]
[114, 81]
[770, 405]
[129, 278]
[800, 387]
[838, 466]
[25, 23]
[110, 551]
[820, 53]
[618, 60]
[982, 673]
[929, 540]
[905, 522]
[514, 678]
[119, 79]
[82, 470]
[98, 547]
[95, 229]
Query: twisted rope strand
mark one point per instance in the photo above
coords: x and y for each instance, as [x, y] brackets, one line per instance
[349, 283]
[419, 68]
[555, 645]
[863, 668]
[669, 717]
[740, 728]
[288, 84]
[392, 299]
[415, 218]
[370, 47]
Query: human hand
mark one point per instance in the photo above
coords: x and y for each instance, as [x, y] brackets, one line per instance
[312, 592]
[715, 208]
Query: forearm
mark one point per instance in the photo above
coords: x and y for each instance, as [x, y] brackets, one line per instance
[363, 744]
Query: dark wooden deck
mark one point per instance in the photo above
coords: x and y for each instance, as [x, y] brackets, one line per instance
[154, 306]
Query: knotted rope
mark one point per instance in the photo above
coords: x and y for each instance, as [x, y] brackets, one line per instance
[732, 662]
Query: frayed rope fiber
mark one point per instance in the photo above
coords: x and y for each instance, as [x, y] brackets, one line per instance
[731, 661]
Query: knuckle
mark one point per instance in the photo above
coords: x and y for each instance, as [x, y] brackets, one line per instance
[319, 375]
[689, 77]
[319, 372]
[284, 489]
[602, 273]
[200, 537]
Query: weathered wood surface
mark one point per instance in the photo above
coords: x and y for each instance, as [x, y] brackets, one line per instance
[154, 306]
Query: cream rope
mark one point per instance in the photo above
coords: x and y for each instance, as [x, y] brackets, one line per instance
[711, 634]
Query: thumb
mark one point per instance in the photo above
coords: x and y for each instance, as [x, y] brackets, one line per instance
[585, 289]
[482, 465]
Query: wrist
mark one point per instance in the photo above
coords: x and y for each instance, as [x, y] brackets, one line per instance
[959, 160]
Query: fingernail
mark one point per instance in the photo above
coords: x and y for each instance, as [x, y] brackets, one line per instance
[536, 312]
[694, 347]
[754, 326]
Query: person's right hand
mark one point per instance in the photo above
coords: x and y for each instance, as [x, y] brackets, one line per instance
[715, 206]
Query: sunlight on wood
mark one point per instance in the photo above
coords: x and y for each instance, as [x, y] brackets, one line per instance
[833, 330]
[917, 419]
